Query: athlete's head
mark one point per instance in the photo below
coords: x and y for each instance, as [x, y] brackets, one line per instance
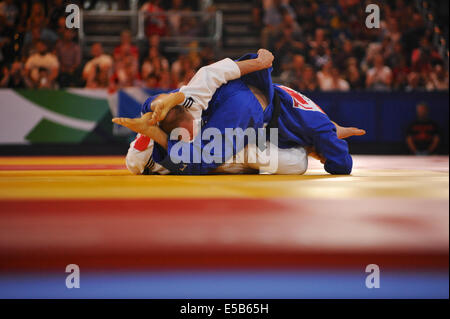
[178, 117]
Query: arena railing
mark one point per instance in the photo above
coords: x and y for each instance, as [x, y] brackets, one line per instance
[210, 32]
[209, 26]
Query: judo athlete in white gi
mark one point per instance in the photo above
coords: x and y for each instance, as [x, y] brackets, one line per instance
[221, 97]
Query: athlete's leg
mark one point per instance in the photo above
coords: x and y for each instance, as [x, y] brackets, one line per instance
[139, 154]
[289, 161]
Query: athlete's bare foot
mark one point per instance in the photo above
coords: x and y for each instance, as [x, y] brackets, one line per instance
[140, 125]
[345, 132]
[341, 132]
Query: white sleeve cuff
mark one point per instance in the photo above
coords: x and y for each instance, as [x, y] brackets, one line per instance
[207, 80]
[233, 72]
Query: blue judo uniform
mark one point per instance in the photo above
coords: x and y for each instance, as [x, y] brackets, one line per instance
[300, 123]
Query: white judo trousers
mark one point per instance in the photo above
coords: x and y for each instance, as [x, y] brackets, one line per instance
[291, 161]
[199, 92]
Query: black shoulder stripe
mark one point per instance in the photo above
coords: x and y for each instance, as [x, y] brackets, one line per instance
[188, 102]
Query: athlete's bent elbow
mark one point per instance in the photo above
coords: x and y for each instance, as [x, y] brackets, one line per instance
[344, 168]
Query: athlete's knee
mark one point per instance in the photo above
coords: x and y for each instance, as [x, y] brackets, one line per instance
[134, 165]
[292, 161]
[139, 155]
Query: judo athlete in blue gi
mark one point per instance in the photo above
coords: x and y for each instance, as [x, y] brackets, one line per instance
[231, 95]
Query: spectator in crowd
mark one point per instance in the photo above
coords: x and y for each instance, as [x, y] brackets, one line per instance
[423, 134]
[379, 78]
[126, 65]
[190, 26]
[155, 68]
[272, 12]
[175, 18]
[257, 10]
[324, 76]
[60, 27]
[415, 82]
[44, 33]
[125, 75]
[320, 41]
[165, 81]
[396, 56]
[22, 17]
[404, 54]
[331, 80]
[8, 16]
[156, 22]
[353, 75]
[126, 47]
[320, 53]
[97, 71]
[400, 74]
[387, 48]
[338, 82]
[6, 46]
[346, 53]
[154, 41]
[438, 79]
[423, 56]
[319, 57]
[293, 71]
[29, 48]
[37, 16]
[187, 76]
[207, 56]
[57, 10]
[289, 40]
[392, 30]
[182, 70]
[69, 56]
[15, 77]
[42, 68]
[308, 81]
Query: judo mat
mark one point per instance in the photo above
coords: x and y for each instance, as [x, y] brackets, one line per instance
[223, 236]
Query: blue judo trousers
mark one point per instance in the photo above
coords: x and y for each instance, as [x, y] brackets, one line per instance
[300, 123]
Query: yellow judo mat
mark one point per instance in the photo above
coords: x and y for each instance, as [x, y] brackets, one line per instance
[107, 177]
[392, 210]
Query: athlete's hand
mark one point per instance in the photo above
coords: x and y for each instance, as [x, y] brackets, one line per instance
[265, 58]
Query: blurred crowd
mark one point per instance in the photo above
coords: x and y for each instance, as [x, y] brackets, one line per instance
[318, 45]
[38, 51]
[325, 45]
